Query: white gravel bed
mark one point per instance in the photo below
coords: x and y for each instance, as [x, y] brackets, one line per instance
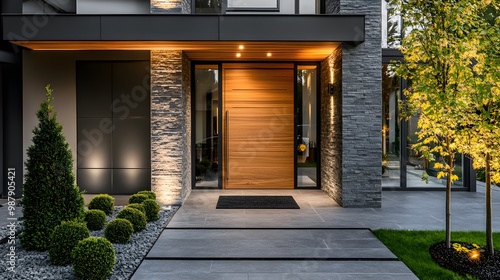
[36, 265]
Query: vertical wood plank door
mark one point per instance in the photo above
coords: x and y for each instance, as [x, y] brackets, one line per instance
[258, 130]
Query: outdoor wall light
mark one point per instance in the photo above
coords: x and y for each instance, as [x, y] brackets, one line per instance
[331, 89]
[474, 255]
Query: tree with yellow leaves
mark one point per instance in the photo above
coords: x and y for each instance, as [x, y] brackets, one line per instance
[439, 48]
[481, 136]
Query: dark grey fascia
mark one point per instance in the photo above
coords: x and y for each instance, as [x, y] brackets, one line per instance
[306, 28]
[7, 57]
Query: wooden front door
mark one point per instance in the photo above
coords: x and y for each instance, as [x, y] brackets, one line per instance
[258, 126]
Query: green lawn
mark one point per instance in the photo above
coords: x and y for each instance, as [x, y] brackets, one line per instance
[412, 247]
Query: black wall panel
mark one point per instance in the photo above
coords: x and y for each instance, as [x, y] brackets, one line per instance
[113, 112]
[131, 89]
[131, 148]
[94, 143]
[95, 180]
[93, 86]
[127, 181]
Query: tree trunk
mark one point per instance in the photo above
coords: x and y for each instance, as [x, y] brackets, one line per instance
[489, 233]
[448, 200]
[451, 161]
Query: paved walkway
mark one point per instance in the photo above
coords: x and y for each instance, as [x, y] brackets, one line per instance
[319, 241]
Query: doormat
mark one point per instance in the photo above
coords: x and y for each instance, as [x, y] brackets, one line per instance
[256, 202]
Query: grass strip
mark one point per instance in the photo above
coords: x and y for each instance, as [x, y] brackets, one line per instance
[412, 248]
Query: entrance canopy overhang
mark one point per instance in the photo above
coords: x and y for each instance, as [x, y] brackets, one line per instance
[203, 37]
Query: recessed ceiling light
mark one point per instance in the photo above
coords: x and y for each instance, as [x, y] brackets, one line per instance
[241, 47]
[269, 54]
[238, 55]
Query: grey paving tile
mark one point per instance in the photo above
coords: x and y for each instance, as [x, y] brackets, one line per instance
[268, 243]
[269, 270]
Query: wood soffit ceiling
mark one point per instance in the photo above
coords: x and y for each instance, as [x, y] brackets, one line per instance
[201, 50]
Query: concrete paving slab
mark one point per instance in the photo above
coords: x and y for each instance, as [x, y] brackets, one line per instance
[224, 236]
[269, 270]
[268, 244]
[414, 210]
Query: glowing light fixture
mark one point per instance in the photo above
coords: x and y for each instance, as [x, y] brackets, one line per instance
[474, 255]
[241, 47]
[238, 55]
[269, 54]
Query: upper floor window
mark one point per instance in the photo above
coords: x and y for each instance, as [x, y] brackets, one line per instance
[391, 26]
[253, 5]
[207, 6]
[256, 6]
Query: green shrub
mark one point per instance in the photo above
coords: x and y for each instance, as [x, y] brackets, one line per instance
[103, 202]
[150, 194]
[119, 231]
[137, 198]
[136, 217]
[50, 195]
[93, 258]
[95, 219]
[63, 239]
[137, 206]
[152, 209]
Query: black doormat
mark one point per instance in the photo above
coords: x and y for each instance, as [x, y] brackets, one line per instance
[257, 202]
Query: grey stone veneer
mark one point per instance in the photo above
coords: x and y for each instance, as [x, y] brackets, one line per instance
[332, 6]
[362, 110]
[331, 126]
[170, 115]
[170, 126]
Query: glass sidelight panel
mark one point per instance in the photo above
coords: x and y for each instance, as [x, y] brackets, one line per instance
[207, 130]
[306, 126]
[391, 158]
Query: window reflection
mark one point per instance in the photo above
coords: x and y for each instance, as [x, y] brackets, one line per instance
[206, 125]
[306, 132]
[390, 129]
[208, 6]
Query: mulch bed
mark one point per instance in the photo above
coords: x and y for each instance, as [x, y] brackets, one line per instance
[486, 268]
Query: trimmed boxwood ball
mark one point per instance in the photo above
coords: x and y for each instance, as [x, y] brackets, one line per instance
[95, 219]
[93, 258]
[103, 202]
[150, 194]
[119, 231]
[137, 198]
[152, 209]
[137, 206]
[63, 239]
[136, 217]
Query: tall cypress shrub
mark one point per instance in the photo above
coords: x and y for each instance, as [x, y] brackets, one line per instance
[50, 194]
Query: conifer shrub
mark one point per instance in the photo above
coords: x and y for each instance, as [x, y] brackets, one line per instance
[152, 209]
[93, 258]
[103, 202]
[50, 194]
[136, 217]
[63, 239]
[137, 198]
[95, 219]
[137, 206]
[119, 231]
[150, 194]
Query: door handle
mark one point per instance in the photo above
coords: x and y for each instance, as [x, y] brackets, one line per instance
[227, 144]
